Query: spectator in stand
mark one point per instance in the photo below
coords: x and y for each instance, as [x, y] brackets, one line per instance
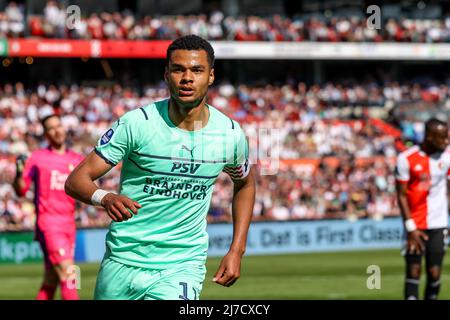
[54, 20]
[12, 21]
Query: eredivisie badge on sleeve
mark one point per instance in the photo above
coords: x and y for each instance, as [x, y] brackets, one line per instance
[107, 136]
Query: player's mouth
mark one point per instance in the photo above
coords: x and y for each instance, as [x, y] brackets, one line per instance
[185, 92]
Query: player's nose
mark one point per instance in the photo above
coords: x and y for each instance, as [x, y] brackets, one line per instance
[188, 76]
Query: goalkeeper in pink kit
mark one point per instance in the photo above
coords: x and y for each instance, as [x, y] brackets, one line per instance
[48, 169]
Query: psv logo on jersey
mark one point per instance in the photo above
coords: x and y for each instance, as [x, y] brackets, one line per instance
[185, 167]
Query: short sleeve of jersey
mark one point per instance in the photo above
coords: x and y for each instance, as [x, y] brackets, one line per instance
[402, 169]
[116, 142]
[238, 167]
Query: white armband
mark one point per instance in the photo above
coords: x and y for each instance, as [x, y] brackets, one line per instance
[410, 225]
[97, 197]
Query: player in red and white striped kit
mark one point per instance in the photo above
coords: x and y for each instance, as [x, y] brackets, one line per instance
[423, 179]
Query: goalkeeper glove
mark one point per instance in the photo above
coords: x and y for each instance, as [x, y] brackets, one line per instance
[20, 165]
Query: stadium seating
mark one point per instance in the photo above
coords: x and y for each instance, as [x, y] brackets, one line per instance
[329, 167]
[124, 25]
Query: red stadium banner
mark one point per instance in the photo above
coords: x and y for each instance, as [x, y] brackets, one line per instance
[50, 48]
[87, 48]
[134, 49]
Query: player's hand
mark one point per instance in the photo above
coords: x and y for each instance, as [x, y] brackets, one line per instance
[416, 243]
[20, 164]
[119, 207]
[229, 269]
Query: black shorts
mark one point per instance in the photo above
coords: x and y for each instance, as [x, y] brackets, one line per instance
[435, 248]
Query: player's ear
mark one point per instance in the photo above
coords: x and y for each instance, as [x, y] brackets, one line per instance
[166, 74]
[211, 77]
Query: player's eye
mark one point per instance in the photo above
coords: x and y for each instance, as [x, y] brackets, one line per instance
[177, 69]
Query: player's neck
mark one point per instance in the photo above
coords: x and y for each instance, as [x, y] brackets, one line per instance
[60, 149]
[188, 118]
[427, 149]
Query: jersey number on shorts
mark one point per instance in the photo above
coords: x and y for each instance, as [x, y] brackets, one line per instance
[185, 292]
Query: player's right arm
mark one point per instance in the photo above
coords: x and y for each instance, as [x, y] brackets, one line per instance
[415, 236]
[24, 174]
[80, 185]
[112, 147]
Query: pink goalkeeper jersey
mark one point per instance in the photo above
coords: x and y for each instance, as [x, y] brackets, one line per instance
[49, 170]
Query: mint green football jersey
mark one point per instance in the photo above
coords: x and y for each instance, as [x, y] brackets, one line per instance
[171, 173]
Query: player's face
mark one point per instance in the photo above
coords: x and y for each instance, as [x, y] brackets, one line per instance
[438, 137]
[54, 131]
[189, 76]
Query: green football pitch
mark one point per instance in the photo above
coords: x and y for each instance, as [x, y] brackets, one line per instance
[338, 275]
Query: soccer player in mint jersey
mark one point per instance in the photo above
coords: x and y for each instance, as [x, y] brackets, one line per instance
[48, 169]
[172, 152]
[423, 179]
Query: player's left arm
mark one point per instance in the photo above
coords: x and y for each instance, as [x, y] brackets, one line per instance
[448, 175]
[242, 210]
[448, 187]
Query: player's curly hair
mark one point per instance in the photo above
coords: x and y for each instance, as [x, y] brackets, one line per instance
[433, 123]
[191, 42]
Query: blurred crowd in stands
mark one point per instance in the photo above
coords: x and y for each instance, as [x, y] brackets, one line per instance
[348, 190]
[320, 173]
[52, 23]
